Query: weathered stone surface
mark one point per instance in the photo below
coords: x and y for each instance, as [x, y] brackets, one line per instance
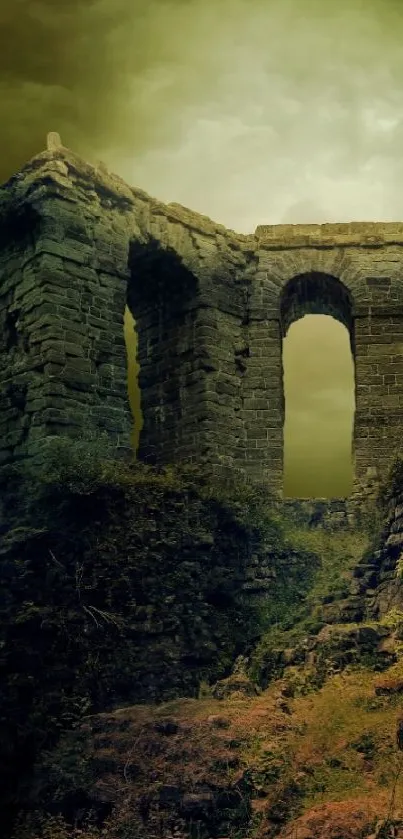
[234, 684]
[211, 308]
[332, 514]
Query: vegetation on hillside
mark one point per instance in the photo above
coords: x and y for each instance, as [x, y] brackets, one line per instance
[123, 584]
[324, 764]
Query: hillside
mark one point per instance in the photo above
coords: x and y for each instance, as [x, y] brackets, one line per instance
[182, 658]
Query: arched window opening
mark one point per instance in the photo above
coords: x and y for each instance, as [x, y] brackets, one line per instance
[319, 409]
[319, 388]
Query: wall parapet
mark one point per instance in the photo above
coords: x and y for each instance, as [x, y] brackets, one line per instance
[362, 234]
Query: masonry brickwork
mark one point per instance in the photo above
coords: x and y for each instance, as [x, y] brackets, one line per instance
[211, 309]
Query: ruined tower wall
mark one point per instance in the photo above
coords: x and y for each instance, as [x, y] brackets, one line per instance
[69, 316]
[189, 305]
[66, 354]
[211, 308]
[17, 374]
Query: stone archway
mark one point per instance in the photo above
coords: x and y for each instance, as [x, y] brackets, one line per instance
[328, 460]
[314, 293]
[286, 301]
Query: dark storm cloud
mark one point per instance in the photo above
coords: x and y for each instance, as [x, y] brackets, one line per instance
[72, 67]
[130, 75]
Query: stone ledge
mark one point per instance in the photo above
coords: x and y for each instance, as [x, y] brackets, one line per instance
[359, 234]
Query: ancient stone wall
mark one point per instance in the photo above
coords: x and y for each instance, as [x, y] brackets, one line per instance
[332, 514]
[190, 347]
[352, 272]
[211, 309]
[62, 302]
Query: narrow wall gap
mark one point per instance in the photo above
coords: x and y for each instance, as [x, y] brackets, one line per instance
[130, 335]
[319, 408]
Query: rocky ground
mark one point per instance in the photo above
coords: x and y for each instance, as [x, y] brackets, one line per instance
[287, 762]
[301, 741]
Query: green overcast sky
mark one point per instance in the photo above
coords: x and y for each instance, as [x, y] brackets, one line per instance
[261, 111]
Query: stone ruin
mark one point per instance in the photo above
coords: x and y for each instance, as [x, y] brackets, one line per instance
[211, 308]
